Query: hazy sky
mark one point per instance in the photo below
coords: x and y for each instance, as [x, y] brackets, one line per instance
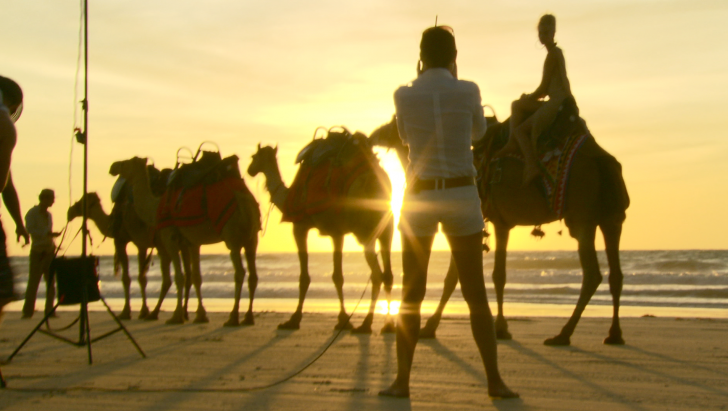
[650, 77]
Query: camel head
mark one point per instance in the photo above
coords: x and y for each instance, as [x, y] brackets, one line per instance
[129, 169]
[264, 157]
[76, 210]
[386, 135]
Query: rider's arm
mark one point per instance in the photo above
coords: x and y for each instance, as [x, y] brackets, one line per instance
[549, 66]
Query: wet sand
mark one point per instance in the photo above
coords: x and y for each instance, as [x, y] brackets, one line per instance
[667, 364]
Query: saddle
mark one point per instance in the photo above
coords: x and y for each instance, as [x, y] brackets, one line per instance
[566, 123]
[208, 188]
[122, 197]
[209, 168]
[340, 146]
[328, 168]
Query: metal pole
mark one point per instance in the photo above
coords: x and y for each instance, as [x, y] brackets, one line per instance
[85, 125]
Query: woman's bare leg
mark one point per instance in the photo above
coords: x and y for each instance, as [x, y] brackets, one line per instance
[468, 254]
[415, 258]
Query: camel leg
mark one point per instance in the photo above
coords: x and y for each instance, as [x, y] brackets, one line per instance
[142, 263]
[123, 259]
[187, 266]
[385, 247]
[250, 252]
[201, 314]
[164, 263]
[370, 255]
[300, 234]
[451, 281]
[612, 233]
[499, 279]
[591, 279]
[338, 278]
[179, 281]
[233, 320]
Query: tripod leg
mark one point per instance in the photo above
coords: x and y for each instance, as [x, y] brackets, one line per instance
[123, 328]
[87, 330]
[37, 327]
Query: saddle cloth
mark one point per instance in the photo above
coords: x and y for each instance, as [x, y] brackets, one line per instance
[214, 202]
[323, 187]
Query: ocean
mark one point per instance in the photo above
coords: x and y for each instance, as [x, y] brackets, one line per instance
[690, 283]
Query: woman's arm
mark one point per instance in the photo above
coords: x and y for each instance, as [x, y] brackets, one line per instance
[549, 65]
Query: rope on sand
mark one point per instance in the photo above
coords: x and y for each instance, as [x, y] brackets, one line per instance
[190, 389]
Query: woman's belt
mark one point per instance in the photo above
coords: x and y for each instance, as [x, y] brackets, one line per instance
[441, 183]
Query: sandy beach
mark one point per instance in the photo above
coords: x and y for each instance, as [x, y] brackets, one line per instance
[667, 364]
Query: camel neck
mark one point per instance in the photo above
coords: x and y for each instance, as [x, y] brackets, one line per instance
[275, 185]
[102, 220]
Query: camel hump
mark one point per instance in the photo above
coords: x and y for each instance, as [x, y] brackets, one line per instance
[339, 145]
[208, 169]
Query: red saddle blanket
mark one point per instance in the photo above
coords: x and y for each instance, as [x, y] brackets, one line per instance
[323, 187]
[214, 203]
[556, 164]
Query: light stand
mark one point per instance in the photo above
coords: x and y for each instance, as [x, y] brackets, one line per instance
[77, 277]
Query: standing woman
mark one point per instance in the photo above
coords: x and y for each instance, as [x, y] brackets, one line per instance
[438, 116]
[555, 85]
[11, 105]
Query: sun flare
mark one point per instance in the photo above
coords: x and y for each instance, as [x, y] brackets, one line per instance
[390, 163]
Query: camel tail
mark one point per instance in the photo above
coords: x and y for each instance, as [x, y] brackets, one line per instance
[250, 209]
[615, 198]
[117, 265]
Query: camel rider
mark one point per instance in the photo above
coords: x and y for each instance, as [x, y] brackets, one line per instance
[555, 85]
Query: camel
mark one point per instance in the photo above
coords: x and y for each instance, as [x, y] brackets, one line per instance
[132, 229]
[367, 216]
[590, 204]
[240, 232]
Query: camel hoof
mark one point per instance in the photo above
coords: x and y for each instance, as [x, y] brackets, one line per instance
[175, 320]
[503, 335]
[125, 314]
[233, 322]
[614, 340]
[248, 319]
[344, 323]
[201, 319]
[558, 341]
[289, 325]
[144, 313]
[344, 326]
[153, 316]
[389, 328]
[363, 329]
[427, 333]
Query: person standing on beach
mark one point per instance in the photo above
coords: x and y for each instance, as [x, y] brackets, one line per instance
[11, 103]
[42, 250]
[438, 116]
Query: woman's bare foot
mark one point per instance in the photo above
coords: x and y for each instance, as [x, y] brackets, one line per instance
[500, 391]
[397, 389]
